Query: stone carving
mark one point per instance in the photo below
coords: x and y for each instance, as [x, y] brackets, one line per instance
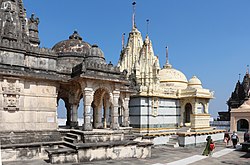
[155, 106]
[11, 95]
[33, 30]
[11, 102]
[9, 28]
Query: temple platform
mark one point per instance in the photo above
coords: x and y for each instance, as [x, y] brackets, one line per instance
[81, 146]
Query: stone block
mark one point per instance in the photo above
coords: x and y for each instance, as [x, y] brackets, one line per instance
[8, 155]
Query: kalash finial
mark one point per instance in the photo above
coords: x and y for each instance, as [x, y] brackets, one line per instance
[75, 36]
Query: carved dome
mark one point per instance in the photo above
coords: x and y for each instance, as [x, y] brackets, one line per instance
[74, 46]
[194, 82]
[96, 55]
[172, 77]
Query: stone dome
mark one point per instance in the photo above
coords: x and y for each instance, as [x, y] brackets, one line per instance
[74, 46]
[172, 77]
[96, 55]
[194, 82]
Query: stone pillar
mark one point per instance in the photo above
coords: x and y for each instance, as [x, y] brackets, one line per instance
[233, 124]
[98, 117]
[106, 114]
[88, 98]
[114, 111]
[74, 122]
[182, 118]
[67, 106]
[126, 113]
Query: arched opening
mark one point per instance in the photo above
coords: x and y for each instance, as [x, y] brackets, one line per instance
[80, 112]
[242, 125]
[200, 108]
[61, 113]
[187, 114]
[101, 108]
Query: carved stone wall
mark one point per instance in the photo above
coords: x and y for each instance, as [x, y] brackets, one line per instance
[11, 58]
[27, 105]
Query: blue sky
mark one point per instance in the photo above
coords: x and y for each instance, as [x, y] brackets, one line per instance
[206, 38]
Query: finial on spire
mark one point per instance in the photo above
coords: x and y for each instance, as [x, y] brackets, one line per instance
[147, 25]
[247, 69]
[167, 65]
[133, 17]
[239, 76]
[75, 36]
[167, 61]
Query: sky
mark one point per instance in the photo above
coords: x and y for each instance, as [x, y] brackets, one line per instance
[206, 38]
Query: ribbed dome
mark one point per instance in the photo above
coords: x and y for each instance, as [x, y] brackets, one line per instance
[73, 46]
[194, 82]
[173, 77]
[96, 54]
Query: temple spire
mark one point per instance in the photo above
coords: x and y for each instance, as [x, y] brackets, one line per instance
[133, 17]
[247, 69]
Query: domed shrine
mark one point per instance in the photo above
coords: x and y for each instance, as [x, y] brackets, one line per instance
[165, 99]
[71, 52]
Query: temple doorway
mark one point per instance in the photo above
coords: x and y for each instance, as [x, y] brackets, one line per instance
[187, 114]
[242, 125]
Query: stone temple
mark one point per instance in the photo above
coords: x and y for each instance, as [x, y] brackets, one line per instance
[133, 105]
[239, 105]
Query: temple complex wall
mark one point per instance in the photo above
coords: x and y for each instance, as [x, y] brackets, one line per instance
[27, 105]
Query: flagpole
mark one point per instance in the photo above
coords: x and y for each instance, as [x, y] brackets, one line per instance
[0, 154]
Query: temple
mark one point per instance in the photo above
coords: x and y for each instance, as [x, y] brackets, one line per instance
[33, 79]
[165, 100]
[130, 105]
[238, 105]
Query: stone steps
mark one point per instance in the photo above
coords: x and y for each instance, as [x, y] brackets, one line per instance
[173, 141]
[70, 140]
[73, 135]
[70, 145]
[75, 148]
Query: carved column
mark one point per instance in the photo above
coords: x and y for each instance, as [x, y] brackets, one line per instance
[98, 117]
[106, 114]
[74, 122]
[126, 112]
[233, 124]
[88, 98]
[68, 108]
[114, 111]
[182, 117]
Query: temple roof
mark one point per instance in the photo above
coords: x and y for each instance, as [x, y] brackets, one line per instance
[74, 44]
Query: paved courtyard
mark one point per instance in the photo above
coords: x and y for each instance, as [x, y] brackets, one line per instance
[162, 155]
